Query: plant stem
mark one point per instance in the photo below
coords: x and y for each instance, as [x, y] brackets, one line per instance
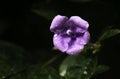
[51, 60]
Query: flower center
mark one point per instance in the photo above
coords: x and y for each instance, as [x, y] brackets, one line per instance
[70, 33]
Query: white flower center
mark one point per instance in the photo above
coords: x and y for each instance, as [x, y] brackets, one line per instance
[68, 32]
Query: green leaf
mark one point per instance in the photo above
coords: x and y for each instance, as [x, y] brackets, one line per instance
[109, 33]
[11, 59]
[21, 75]
[80, 72]
[70, 60]
[81, 66]
[77, 67]
[100, 69]
[36, 72]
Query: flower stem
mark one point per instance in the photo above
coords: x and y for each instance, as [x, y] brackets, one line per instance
[51, 60]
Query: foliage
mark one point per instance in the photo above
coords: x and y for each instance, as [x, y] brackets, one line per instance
[82, 66]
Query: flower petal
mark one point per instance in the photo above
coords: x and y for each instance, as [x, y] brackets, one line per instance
[78, 30]
[79, 22]
[61, 42]
[58, 23]
[83, 39]
[86, 37]
[75, 49]
[77, 45]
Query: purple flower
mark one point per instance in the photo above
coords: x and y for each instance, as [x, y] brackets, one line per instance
[70, 34]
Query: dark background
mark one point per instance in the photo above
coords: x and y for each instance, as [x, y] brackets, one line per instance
[20, 25]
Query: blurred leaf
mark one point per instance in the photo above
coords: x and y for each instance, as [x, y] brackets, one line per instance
[36, 72]
[20, 75]
[11, 59]
[85, 71]
[45, 10]
[82, 66]
[96, 47]
[77, 67]
[70, 60]
[100, 69]
[109, 33]
[48, 14]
